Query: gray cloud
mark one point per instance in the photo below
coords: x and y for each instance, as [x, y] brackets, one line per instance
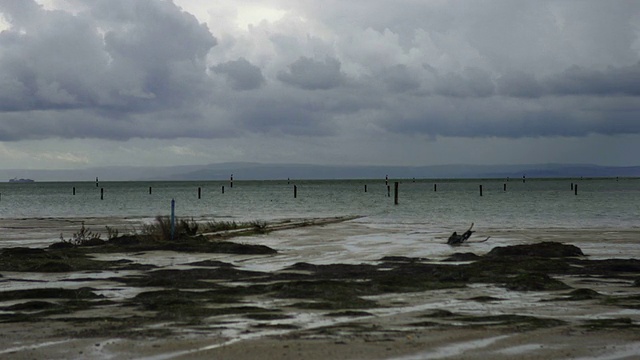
[119, 69]
[112, 62]
[311, 74]
[241, 74]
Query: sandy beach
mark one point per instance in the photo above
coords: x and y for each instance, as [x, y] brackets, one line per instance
[475, 321]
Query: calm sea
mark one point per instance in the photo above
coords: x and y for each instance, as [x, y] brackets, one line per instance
[536, 203]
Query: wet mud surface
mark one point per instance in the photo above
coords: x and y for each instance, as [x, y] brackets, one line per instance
[102, 291]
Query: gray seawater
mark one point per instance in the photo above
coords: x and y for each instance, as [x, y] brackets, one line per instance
[536, 203]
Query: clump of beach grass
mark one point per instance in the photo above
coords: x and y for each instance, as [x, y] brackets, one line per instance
[84, 236]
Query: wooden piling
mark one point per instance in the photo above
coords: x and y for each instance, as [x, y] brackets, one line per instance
[571, 186]
[199, 192]
[223, 189]
[575, 189]
[395, 193]
[74, 190]
[480, 190]
[504, 187]
[101, 193]
[149, 190]
[295, 191]
[524, 179]
[365, 188]
[435, 187]
[173, 218]
[231, 181]
[97, 182]
[388, 190]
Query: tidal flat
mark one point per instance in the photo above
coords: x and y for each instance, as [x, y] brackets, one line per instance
[332, 287]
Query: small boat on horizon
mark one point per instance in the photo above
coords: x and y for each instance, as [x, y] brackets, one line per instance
[16, 180]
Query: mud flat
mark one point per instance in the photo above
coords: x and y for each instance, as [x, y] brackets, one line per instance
[324, 288]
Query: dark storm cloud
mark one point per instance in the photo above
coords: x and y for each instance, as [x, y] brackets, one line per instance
[311, 74]
[577, 81]
[241, 74]
[400, 79]
[471, 82]
[112, 61]
[119, 69]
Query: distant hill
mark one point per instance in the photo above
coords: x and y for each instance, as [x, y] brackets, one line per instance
[257, 171]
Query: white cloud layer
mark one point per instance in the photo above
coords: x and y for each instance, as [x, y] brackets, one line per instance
[410, 82]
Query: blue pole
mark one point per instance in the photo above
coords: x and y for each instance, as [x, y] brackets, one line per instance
[173, 218]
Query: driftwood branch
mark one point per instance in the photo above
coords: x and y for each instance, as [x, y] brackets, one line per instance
[455, 239]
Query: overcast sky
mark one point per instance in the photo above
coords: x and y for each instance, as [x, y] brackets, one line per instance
[88, 83]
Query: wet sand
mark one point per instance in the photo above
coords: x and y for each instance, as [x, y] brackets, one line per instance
[404, 326]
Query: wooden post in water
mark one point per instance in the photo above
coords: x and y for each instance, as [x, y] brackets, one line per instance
[101, 193]
[74, 190]
[386, 180]
[571, 186]
[295, 191]
[199, 192]
[173, 218]
[97, 182]
[435, 187]
[365, 187]
[524, 179]
[504, 187]
[388, 190]
[480, 190]
[223, 189]
[231, 181]
[395, 193]
[575, 189]
[149, 190]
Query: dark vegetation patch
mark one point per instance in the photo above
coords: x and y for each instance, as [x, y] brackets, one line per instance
[190, 296]
[211, 263]
[519, 322]
[485, 299]
[459, 257]
[277, 315]
[534, 282]
[84, 293]
[543, 249]
[402, 259]
[579, 295]
[615, 323]
[349, 313]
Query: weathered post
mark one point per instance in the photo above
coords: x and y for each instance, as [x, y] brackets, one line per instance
[199, 192]
[231, 181]
[295, 191]
[480, 190]
[523, 179]
[223, 189]
[365, 187]
[149, 190]
[504, 187]
[173, 218]
[388, 190]
[435, 187]
[74, 190]
[395, 193]
[97, 182]
[101, 193]
[575, 189]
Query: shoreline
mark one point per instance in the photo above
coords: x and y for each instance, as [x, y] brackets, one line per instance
[477, 320]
